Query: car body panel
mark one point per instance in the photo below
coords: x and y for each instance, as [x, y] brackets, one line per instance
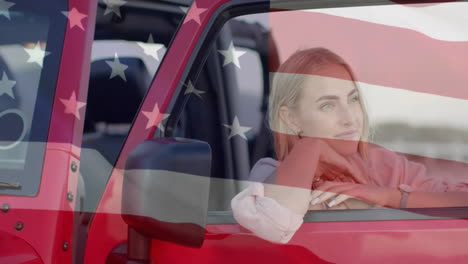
[48, 217]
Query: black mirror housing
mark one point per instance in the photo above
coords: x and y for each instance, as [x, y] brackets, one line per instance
[166, 189]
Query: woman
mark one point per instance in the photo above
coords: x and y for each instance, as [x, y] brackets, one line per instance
[321, 130]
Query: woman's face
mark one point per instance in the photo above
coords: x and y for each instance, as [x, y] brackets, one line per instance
[331, 108]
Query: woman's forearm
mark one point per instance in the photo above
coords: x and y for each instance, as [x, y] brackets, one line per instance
[294, 177]
[293, 198]
[298, 168]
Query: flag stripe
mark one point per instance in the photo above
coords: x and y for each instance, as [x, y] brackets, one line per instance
[443, 22]
[434, 125]
[379, 54]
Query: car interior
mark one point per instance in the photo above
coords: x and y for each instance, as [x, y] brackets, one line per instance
[112, 103]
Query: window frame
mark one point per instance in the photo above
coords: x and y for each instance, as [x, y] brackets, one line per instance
[30, 177]
[193, 69]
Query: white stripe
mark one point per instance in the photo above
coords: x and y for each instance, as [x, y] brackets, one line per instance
[414, 109]
[445, 21]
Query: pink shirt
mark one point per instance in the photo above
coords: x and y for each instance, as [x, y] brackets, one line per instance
[271, 221]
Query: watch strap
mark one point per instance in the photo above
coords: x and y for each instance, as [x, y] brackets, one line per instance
[405, 190]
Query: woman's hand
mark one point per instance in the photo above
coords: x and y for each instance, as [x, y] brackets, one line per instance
[338, 192]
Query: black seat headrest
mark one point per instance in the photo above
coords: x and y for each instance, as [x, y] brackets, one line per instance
[115, 101]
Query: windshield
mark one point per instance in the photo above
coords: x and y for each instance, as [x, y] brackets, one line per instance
[30, 49]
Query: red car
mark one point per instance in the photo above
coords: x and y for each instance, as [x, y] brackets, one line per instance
[128, 126]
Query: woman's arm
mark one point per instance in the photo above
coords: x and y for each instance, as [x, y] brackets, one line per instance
[274, 211]
[297, 172]
[294, 178]
[293, 198]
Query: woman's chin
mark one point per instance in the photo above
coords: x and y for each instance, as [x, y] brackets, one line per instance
[344, 147]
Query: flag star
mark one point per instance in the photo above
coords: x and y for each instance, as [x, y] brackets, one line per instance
[150, 48]
[74, 18]
[36, 54]
[237, 129]
[231, 55]
[113, 6]
[72, 106]
[117, 68]
[4, 6]
[153, 116]
[192, 89]
[194, 13]
[160, 125]
[6, 86]
[184, 9]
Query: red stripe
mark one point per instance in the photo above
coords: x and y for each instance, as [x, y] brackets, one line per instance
[379, 54]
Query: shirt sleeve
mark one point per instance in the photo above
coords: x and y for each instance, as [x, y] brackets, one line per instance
[262, 215]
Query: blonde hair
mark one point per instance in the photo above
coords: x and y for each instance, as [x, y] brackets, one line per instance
[286, 90]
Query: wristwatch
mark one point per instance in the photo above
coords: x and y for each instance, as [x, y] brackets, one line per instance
[405, 190]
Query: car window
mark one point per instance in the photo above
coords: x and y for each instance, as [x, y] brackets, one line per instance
[126, 68]
[30, 50]
[408, 72]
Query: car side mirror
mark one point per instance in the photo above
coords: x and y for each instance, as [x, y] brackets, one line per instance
[165, 193]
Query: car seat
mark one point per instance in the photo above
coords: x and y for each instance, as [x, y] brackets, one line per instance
[111, 107]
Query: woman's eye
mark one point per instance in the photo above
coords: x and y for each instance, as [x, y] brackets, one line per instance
[326, 107]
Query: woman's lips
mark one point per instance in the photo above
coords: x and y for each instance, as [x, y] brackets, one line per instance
[347, 134]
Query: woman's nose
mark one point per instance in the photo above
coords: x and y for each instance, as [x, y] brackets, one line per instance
[347, 116]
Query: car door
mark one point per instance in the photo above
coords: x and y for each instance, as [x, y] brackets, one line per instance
[44, 52]
[130, 46]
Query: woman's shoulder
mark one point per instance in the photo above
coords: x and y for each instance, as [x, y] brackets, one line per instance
[264, 170]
